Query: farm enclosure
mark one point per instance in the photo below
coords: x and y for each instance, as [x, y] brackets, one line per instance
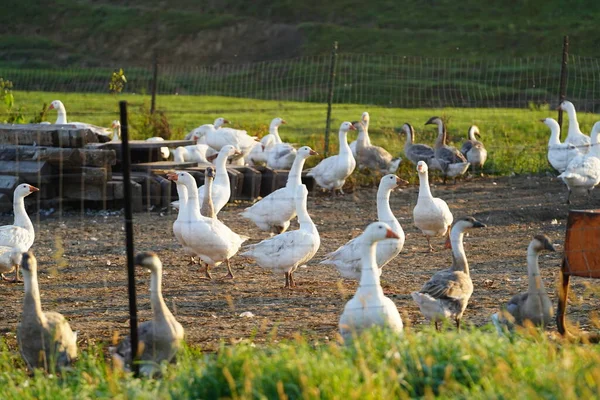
[83, 274]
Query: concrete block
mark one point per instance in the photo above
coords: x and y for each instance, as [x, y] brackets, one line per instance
[31, 172]
[8, 184]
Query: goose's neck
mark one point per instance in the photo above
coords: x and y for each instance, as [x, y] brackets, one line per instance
[304, 219]
[410, 139]
[21, 217]
[61, 115]
[384, 211]
[183, 200]
[344, 148]
[295, 175]
[274, 130]
[441, 139]
[595, 146]
[459, 258]
[554, 135]
[32, 305]
[369, 274]
[533, 271]
[221, 177]
[116, 134]
[362, 139]
[193, 204]
[424, 189]
[208, 209]
[573, 123]
[472, 135]
[159, 308]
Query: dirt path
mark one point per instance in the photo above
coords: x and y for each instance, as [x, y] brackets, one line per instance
[83, 276]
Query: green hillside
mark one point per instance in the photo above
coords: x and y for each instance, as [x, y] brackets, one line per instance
[68, 32]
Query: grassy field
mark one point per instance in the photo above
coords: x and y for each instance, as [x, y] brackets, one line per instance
[70, 31]
[475, 365]
[515, 139]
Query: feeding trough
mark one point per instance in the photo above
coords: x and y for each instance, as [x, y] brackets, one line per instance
[581, 258]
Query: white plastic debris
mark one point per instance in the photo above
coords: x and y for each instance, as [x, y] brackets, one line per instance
[247, 314]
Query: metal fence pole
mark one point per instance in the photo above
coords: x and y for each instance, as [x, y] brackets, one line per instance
[330, 96]
[154, 83]
[126, 161]
[563, 78]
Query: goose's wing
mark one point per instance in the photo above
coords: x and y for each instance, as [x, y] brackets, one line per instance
[468, 145]
[450, 155]
[375, 156]
[421, 151]
[445, 284]
[66, 339]
[15, 236]
[287, 249]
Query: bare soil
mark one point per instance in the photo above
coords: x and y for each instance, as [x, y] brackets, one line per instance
[83, 268]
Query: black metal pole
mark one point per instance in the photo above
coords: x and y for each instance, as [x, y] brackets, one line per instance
[126, 161]
[563, 78]
[154, 83]
[330, 96]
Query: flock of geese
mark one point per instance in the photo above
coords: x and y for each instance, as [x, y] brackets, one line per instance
[45, 338]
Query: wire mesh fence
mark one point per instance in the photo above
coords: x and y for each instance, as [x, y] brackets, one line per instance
[392, 81]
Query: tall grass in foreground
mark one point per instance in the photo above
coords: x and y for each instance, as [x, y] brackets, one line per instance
[470, 364]
[515, 138]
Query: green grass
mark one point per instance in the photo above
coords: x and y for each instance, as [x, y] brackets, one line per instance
[474, 364]
[515, 139]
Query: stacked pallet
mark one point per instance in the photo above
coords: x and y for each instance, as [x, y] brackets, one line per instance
[79, 167]
[55, 159]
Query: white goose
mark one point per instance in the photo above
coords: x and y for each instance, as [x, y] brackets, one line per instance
[559, 154]
[61, 114]
[279, 155]
[274, 212]
[18, 236]
[347, 259]
[365, 118]
[164, 151]
[452, 162]
[332, 172]
[369, 306]
[160, 338]
[473, 150]
[217, 137]
[431, 214]
[116, 127]
[534, 305]
[45, 338]
[221, 188]
[574, 134]
[583, 172]
[208, 238]
[289, 250]
[447, 293]
[375, 158]
[199, 152]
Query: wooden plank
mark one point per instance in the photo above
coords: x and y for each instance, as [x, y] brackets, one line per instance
[28, 171]
[162, 166]
[251, 183]
[68, 135]
[142, 144]
[87, 175]
[8, 184]
[267, 183]
[5, 203]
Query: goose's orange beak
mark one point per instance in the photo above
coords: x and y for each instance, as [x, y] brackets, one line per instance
[391, 234]
[172, 176]
[33, 189]
[313, 153]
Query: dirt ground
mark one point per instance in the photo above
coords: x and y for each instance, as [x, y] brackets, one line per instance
[82, 265]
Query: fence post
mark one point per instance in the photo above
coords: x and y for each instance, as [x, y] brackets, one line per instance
[563, 78]
[126, 161]
[330, 96]
[154, 83]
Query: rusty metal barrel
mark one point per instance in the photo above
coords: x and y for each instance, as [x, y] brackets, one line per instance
[581, 258]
